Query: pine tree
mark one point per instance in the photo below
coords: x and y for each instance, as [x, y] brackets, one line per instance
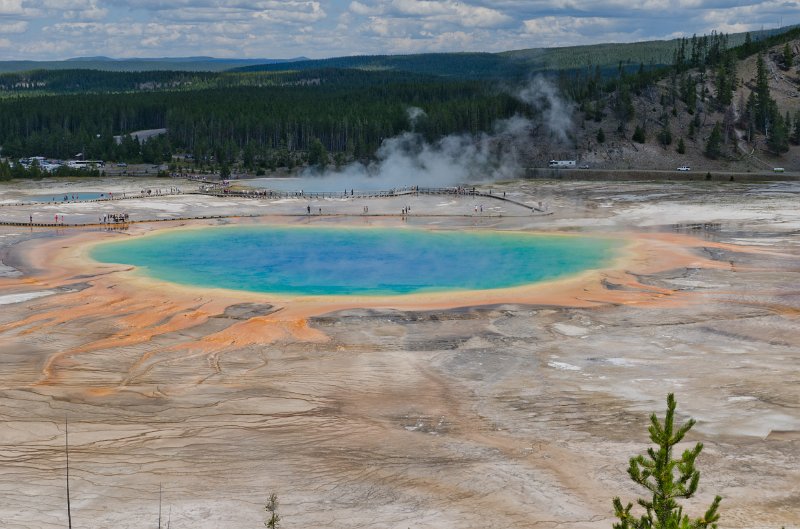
[317, 154]
[689, 93]
[601, 136]
[778, 138]
[763, 101]
[747, 47]
[665, 134]
[623, 104]
[272, 509]
[681, 147]
[787, 57]
[714, 143]
[657, 474]
[796, 133]
[638, 134]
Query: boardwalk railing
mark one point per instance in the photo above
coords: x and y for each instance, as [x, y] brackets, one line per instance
[361, 194]
[55, 201]
[268, 194]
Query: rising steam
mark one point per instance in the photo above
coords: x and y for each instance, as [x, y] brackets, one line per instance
[557, 113]
[408, 160]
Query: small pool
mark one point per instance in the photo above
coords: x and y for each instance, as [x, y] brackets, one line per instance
[356, 261]
[67, 197]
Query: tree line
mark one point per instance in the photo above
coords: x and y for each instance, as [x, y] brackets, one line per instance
[259, 123]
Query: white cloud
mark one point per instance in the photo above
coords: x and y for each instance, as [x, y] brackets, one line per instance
[381, 26]
[92, 12]
[567, 31]
[11, 7]
[14, 27]
[450, 12]
[66, 9]
[312, 12]
[753, 13]
[365, 10]
[317, 28]
[43, 49]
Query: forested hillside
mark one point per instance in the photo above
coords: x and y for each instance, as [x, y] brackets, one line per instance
[53, 82]
[716, 104]
[713, 99]
[350, 113]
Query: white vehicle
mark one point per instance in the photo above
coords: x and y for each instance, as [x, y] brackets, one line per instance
[85, 164]
[684, 168]
[562, 163]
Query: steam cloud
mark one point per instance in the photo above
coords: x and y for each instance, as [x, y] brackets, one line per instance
[408, 160]
[414, 115]
[543, 96]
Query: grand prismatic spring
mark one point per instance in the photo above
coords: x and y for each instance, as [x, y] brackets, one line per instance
[502, 397]
[338, 261]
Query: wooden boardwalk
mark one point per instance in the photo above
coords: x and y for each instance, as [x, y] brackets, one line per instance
[270, 195]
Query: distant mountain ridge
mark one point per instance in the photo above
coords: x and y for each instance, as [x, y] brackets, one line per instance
[199, 58]
[177, 64]
[513, 64]
[508, 65]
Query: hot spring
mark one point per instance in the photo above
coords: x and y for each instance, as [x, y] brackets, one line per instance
[68, 196]
[356, 261]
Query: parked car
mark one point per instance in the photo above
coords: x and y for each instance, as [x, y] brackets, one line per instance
[684, 168]
[585, 166]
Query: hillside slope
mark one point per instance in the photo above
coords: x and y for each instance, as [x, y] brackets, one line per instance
[653, 112]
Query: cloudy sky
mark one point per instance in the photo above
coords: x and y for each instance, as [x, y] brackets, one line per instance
[58, 29]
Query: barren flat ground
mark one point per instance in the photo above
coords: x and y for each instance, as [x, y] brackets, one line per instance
[509, 409]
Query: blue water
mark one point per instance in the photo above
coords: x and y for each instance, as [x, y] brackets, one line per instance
[344, 261]
[67, 197]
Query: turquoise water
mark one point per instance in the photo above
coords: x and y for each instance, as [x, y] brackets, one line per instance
[344, 261]
[68, 197]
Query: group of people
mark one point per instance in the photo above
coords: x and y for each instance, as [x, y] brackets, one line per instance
[158, 192]
[114, 217]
